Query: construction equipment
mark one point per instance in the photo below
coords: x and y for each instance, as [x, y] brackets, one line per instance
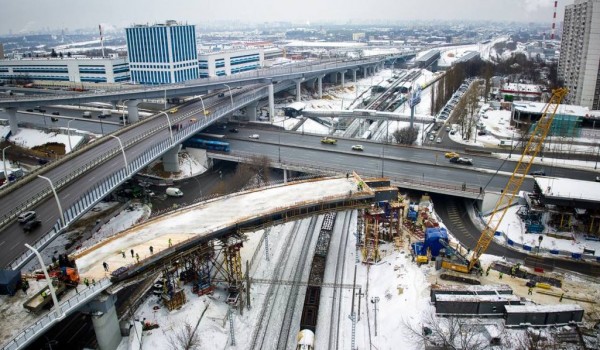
[43, 297]
[530, 151]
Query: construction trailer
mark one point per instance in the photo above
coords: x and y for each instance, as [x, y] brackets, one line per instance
[456, 305]
[456, 289]
[543, 315]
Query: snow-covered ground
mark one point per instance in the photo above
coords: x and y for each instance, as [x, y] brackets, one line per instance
[29, 138]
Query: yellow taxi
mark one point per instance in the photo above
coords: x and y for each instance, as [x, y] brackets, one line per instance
[452, 155]
[174, 110]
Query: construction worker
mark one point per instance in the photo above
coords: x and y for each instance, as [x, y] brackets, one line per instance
[512, 272]
[487, 271]
[500, 275]
[170, 243]
[86, 282]
[93, 282]
[123, 253]
[561, 297]
[137, 257]
[151, 250]
[530, 292]
[132, 253]
[105, 266]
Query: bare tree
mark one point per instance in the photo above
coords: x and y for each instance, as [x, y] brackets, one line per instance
[260, 166]
[532, 339]
[446, 333]
[406, 135]
[185, 338]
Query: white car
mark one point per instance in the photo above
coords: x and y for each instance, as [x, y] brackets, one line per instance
[438, 140]
[357, 148]
[254, 136]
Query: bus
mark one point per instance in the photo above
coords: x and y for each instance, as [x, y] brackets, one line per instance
[210, 145]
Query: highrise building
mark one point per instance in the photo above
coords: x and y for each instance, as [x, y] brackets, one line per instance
[162, 53]
[579, 63]
[1, 51]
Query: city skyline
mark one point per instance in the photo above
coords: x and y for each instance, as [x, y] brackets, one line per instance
[30, 15]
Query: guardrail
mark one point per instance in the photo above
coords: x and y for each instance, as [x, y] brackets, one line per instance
[109, 183]
[29, 334]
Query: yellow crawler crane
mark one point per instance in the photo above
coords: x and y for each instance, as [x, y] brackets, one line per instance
[530, 151]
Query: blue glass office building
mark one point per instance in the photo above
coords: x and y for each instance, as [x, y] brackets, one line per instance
[162, 53]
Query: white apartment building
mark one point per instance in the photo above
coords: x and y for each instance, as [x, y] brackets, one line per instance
[222, 63]
[579, 63]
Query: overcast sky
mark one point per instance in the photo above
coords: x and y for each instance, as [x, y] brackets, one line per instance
[25, 15]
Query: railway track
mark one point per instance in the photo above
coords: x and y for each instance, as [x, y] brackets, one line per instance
[266, 319]
[336, 310]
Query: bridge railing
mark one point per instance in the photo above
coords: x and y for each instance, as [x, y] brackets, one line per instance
[26, 336]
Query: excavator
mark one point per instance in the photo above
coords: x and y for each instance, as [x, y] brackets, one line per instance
[530, 151]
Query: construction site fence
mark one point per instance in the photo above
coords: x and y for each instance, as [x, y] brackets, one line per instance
[537, 250]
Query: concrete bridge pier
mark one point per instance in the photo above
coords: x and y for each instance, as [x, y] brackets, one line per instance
[114, 104]
[343, 75]
[132, 111]
[271, 102]
[354, 75]
[298, 89]
[365, 72]
[285, 176]
[171, 159]
[251, 111]
[320, 85]
[12, 120]
[333, 77]
[105, 321]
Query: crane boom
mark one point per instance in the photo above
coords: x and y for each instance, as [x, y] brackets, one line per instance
[530, 151]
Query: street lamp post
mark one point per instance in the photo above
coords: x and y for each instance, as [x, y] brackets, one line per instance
[382, 159]
[69, 133]
[123, 152]
[170, 127]
[44, 116]
[62, 215]
[57, 308]
[279, 146]
[203, 109]
[230, 95]
[4, 162]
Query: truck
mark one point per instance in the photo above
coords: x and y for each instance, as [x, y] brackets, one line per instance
[106, 113]
[40, 299]
[328, 140]
[174, 192]
[87, 114]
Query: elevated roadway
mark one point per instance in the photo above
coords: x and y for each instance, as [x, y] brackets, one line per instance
[302, 71]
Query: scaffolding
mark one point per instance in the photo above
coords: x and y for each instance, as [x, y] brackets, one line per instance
[372, 219]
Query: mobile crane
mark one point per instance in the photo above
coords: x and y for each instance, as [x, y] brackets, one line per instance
[530, 151]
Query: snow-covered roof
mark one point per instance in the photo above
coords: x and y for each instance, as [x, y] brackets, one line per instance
[472, 288]
[324, 44]
[538, 107]
[296, 105]
[569, 188]
[521, 88]
[476, 298]
[542, 308]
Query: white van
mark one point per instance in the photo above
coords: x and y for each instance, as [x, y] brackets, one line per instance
[87, 114]
[174, 192]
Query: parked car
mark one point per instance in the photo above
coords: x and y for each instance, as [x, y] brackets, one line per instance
[26, 216]
[481, 133]
[174, 192]
[31, 225]
[357, 148]
[254, 136]
[451, 155]
[461, 160]
[539, 172]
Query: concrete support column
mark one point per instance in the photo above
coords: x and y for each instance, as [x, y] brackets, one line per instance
[365, 72]
[271, 102]
[298, 90]
[333, 77]
[132, 111]
[114, 104]
[320, 83]
[354, 75]
[285, 176]
[171, 159]
[12, 120]
[105, 321]
[251, 111]
[343, 73]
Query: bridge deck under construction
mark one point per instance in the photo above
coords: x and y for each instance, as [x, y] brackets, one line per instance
[168, 233]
